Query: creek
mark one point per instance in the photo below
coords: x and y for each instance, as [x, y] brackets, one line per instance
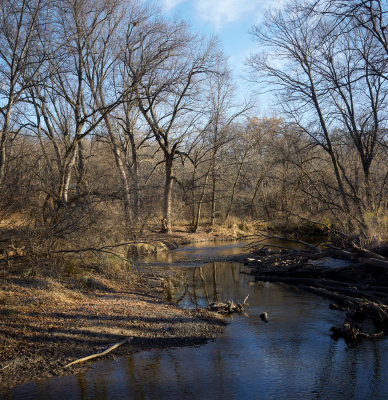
[291, 357]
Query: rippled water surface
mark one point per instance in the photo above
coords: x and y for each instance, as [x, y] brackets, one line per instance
[291, 357]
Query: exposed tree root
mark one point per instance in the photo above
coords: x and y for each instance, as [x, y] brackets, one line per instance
[351, 333]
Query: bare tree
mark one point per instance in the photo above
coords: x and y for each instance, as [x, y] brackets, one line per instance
[65, 110]
[20, 62]
[223, 112]
[173, 66]
[369, 15]
[328, 89]
[106, 74]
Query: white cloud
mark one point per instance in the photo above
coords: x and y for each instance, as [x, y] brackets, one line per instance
[171, 4]
[271, 5]
[275, 4]
[221, 12]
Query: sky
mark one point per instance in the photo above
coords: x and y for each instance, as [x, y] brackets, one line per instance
[230, 20]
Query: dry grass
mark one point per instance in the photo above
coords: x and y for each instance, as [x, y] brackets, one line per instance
[377, 228]
[235, 228]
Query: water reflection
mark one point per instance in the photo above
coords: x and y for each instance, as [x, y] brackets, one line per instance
[291, 357]
[216, 281]
[196, 253]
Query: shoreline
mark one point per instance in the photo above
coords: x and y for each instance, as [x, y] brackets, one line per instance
[49, 320]
[38, 341]
[356, 280]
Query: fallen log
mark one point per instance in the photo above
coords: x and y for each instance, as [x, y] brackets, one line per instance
[368, 253]
[351, 333]
[334, 286]
[378, 312]
[360, 287]
[285, 239]
[350, 273]
[334, 253]
[115, 346]
[373, 262]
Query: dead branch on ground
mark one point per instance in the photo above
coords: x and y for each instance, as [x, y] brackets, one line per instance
[115, 346]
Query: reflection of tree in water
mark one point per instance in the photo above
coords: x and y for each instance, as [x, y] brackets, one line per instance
[191, 294]
[95, 386]
[82, 386]
[214, 274]
[206, 284]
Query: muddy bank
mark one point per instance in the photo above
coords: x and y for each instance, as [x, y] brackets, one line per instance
[46, 323]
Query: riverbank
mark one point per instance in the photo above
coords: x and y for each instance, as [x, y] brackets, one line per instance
[51, 315]
[46, 323]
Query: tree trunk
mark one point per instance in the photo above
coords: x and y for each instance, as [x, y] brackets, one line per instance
[3, 142]
[200, 201]
[135, 178]
[329, 146]
[213, 199]
[235, 185]
[2, 154]
[81, 170]
[67, 168]
[252, 202]
[167, 194]
[193, 216]
[122, 172]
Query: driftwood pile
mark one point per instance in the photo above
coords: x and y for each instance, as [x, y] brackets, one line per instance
[229, 307]
[358, 284]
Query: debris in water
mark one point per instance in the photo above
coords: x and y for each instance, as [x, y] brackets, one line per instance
[264, 316]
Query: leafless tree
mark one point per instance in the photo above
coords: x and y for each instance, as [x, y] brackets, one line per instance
[369, 15]
[20, 61]
[170, 66]
[66, 111]
[109, 84]
[223, 111]
[327, 87]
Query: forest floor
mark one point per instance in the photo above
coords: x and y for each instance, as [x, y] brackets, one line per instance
[49, 318]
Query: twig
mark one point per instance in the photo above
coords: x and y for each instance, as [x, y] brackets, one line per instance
[245, 300]
[103, 248]
[80, 360]
[8, 365]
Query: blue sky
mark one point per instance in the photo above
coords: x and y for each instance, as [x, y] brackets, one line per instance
[230, 20]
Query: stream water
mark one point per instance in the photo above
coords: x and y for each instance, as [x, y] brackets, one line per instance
[291, 357]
